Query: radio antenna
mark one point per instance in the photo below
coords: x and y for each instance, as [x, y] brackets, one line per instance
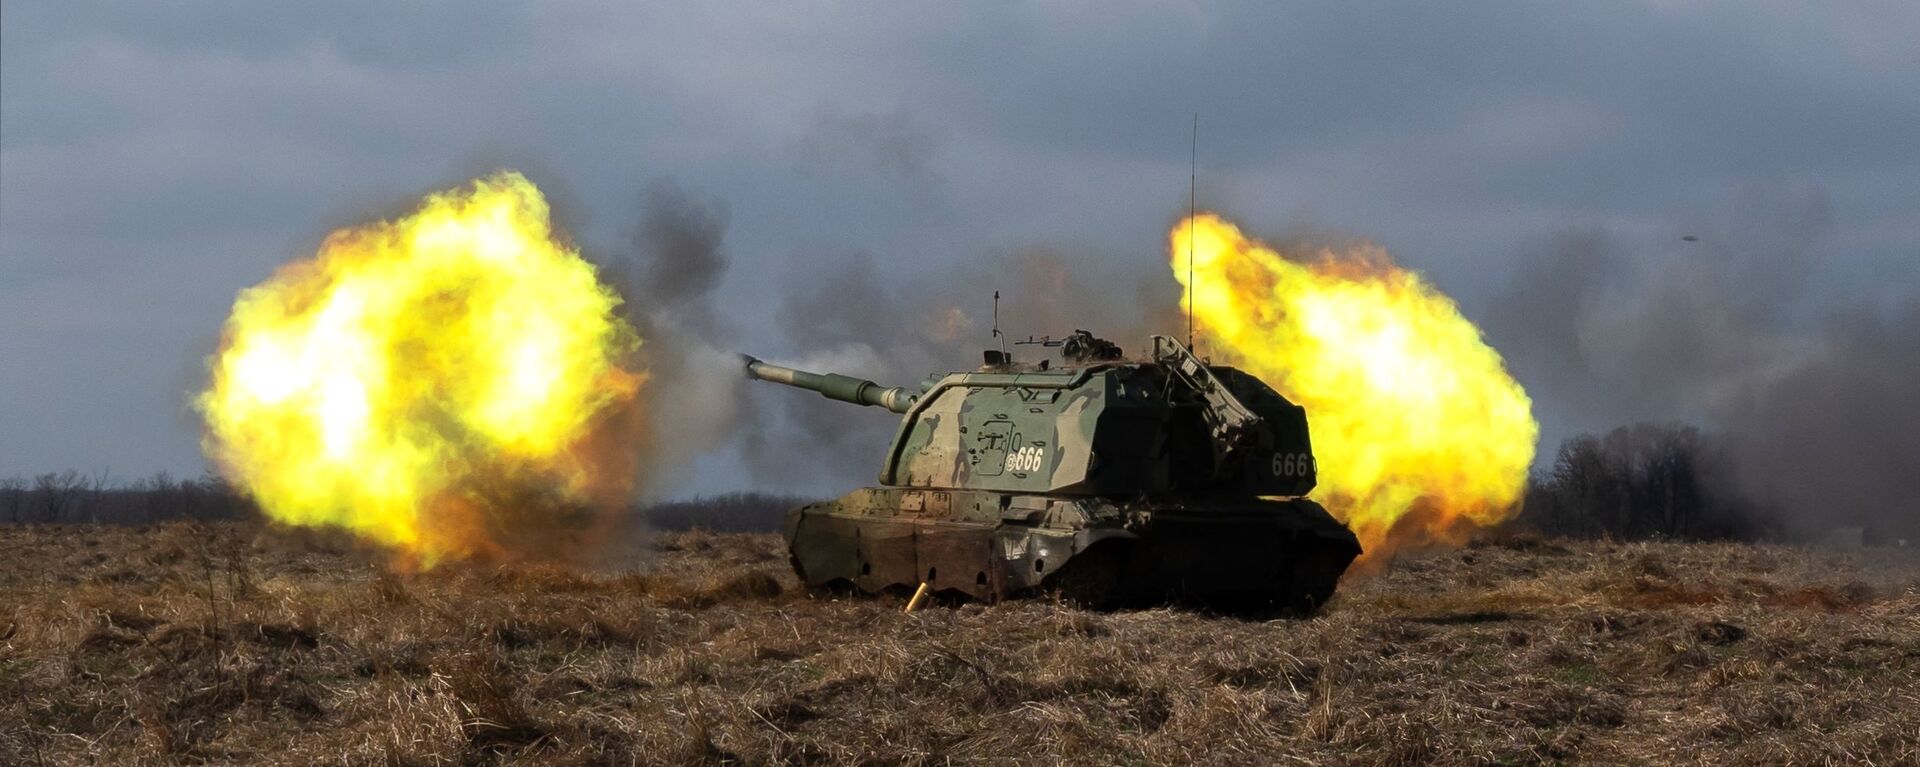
[1193, 207]
[996, 325]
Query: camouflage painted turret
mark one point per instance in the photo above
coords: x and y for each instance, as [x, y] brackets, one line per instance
[1110, 480]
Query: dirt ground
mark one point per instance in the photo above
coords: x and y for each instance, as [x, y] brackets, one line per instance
[238, 645]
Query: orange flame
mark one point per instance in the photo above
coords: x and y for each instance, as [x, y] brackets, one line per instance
[1419, 432]
[419, 381]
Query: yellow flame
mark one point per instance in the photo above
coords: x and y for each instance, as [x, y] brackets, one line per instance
[415, 376]
[1419, 432]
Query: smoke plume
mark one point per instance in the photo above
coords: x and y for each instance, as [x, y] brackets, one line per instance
[675, 260]
[1830, 438]
[678, 251]
[1807, 400]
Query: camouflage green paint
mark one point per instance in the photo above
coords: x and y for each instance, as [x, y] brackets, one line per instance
[1001, 476]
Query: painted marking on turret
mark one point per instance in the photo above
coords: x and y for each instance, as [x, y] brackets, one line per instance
[1029, 458]
[1292, 464]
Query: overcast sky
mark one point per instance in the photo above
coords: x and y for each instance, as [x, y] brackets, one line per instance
[157, 157]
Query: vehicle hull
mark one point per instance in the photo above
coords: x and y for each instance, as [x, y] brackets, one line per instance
[1254, 552]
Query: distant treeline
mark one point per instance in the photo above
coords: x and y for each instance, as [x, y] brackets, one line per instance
[1644, 481]
[74, 498]
[1635, 482]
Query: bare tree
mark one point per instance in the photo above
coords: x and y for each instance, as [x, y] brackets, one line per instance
[75, 497]
[13, 498]
[56, 494]
[1641, 481]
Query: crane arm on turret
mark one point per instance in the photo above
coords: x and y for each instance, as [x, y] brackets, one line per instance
[1232, 424]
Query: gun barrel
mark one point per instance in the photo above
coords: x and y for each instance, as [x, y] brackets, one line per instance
[833, 386]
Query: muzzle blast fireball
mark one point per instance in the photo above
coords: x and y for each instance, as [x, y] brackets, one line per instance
[1421, 434]
[426, 380]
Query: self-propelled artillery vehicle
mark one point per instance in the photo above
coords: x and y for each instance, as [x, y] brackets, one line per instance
[1110, 480]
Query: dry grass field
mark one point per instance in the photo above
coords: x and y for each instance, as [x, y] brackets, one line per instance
[237, 645]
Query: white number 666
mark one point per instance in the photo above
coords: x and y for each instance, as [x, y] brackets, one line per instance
[1292, 464]
[1029, 458]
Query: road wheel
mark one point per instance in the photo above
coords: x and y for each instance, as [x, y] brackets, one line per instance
[1092, 578]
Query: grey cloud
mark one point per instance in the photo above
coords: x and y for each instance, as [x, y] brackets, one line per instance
[154, 159]
[894, 143]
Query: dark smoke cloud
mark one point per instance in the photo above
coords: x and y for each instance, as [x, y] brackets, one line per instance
[1832, 438]
[839, 313]
[676, 260]
[678, 250]
[1609, 333]
[1723, 330]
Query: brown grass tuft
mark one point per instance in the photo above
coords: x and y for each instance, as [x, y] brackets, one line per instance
[230, 644]
[491, 714]
[756, 585]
